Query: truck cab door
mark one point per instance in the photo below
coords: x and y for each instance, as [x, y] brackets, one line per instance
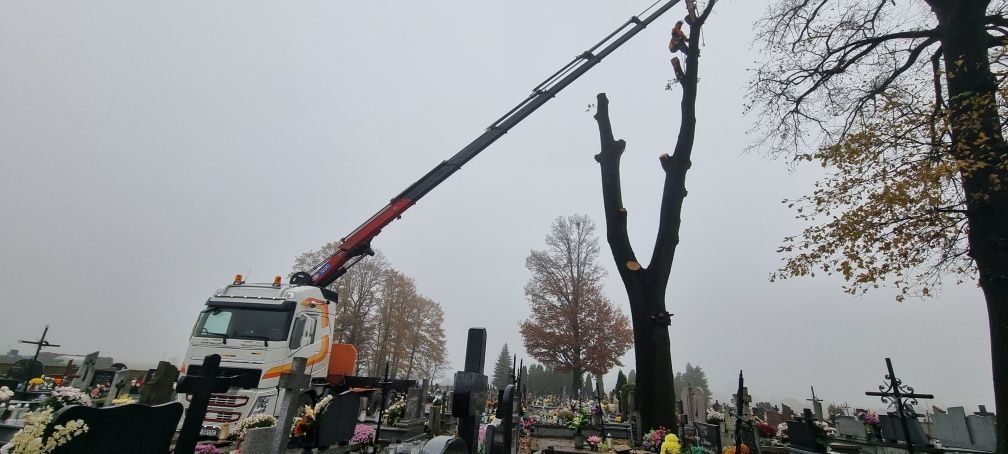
[303, 335]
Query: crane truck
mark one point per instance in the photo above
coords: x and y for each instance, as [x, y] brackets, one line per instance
[258, 329]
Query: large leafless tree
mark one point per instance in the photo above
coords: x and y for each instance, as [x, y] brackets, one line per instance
[645, 286]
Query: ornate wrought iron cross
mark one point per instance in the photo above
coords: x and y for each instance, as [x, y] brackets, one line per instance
[903, 397]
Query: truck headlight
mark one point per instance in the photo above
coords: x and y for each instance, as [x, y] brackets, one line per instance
[260, 405]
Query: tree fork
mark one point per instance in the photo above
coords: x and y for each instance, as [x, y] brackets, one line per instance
[645, 287]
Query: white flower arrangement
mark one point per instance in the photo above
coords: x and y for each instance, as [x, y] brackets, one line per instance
[260, 420]
[322, 405]
[28, 440]
[5, 394]
[714, 417]
[829, 430]
[63, 396]
[782, 434]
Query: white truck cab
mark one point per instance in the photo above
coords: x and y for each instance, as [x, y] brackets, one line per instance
[258, 329]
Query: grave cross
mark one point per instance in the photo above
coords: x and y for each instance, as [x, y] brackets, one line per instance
[200, 387]
[384, 384]
[742, 400]
[292, 383]
[816, 405]
[42, 342]
[469, 395]
[903, 397]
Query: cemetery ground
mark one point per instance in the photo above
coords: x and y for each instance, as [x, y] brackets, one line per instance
[101, 407]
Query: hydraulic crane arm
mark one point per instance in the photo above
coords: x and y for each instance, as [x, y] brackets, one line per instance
[358, 243]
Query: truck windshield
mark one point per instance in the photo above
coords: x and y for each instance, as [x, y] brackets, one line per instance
[243, 323]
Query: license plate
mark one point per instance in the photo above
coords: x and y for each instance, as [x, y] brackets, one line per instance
[209, 432]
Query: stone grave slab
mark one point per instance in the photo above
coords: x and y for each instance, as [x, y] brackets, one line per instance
[957, 430]
[850, 428]
[339, 420]
[128, 428]
[470, 392]
[802, 433]
[984, 431]
[708, 437]
[85, 373]
[160, 387]
[750, 437]
[444, 444]
[892, 430]
[414, 403]
[694, 404]
[117, 386]
[950, 428]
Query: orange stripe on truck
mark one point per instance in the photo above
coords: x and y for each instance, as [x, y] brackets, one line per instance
[321, 304]
[312, 360]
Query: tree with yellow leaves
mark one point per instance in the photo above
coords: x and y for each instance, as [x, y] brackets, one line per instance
[903, 104]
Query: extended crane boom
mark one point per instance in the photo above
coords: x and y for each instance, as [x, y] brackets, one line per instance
[358, 244]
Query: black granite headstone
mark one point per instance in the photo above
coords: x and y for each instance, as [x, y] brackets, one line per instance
[892, 430]
[158, 389]
[709, 437]
[804, 435]
[336, 427]
[505, 439]
[445, 445]
[750, 437]
[130, 428]
[475, 357]
[103, 377]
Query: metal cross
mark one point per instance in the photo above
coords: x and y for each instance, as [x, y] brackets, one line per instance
[42, 342]
[813, 399]
[903, 397]
[816, 404]
[384, 384]
[742, 400]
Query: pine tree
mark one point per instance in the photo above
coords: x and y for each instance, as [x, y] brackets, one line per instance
[693, 376]
[502, 370]
[621, 389]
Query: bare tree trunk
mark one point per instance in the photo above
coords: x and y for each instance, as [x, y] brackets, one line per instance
[412, 356]
[977, 139]
[645, 287]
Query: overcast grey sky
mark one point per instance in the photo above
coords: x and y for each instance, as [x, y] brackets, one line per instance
[151, 150]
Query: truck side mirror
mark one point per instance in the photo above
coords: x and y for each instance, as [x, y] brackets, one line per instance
[297, 333]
